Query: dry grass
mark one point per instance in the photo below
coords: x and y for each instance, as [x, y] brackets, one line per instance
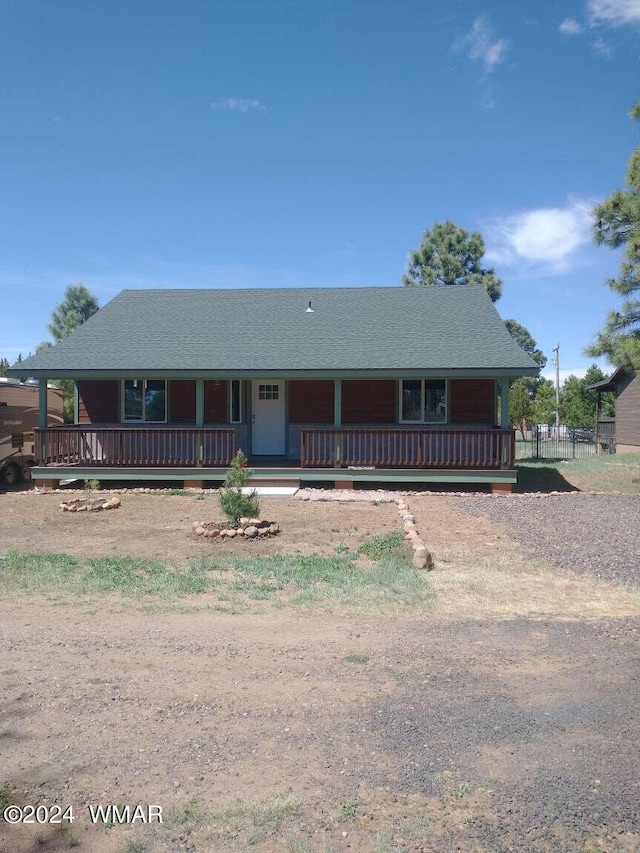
[511, 585]
[481, 572]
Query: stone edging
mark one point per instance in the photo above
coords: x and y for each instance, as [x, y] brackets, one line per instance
[422, 559]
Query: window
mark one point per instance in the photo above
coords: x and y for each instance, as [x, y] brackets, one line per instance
[144, 400]
[235, 401]
[268, 392]
[423, 401]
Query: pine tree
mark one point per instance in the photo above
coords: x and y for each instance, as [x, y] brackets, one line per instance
[617, 224]
[450, 255]
[233, 502]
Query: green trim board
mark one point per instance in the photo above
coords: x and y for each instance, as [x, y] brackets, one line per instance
[303, 474]
[168, 333]
[342, 373]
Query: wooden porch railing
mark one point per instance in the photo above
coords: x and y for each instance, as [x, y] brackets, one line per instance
[407, 448]
[135, 446]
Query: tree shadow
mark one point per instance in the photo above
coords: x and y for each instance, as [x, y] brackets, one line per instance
[541, 477]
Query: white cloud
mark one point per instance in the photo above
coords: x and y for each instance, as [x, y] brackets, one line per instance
[543, 241]
[616, 13]
[238, 105]
[565, 373]
[570, 27]
[480, 45]
[602, 48]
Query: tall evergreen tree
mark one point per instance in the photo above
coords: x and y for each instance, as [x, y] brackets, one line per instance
[450, 255]
[524, 338]
[617, 224]
[75, 309]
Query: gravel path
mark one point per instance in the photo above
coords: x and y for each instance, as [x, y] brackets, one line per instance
[530, 727]
[590, 534]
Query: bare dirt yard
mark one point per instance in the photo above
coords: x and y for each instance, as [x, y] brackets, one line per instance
[311, 691]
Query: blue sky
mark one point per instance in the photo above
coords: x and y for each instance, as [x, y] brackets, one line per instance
[261, 144]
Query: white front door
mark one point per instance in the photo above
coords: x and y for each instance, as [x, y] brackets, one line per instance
[267, 416]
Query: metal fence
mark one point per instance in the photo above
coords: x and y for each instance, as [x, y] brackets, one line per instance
[550, 442]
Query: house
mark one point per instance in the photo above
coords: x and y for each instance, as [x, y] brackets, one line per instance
[623, 431]
[324, 384]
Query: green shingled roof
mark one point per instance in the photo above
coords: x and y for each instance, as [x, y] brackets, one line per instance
[269, 330]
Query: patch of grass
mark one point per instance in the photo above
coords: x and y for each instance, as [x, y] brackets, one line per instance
[8, 671]
[6, 797]
[385, 843]
[414, 829]
[53, 573]
[387, 585]
[349, 809]
[355, 658]
[71, 839]
[295, 844]
[451, 787]
[136, 846]
[100, 681]
[257, 819]
[309, 580]
[615, 472]
[386, 545]
[189, 816]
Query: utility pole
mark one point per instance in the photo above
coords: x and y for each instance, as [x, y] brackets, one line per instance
[556, 362]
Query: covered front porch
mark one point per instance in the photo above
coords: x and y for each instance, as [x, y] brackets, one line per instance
[445, 429]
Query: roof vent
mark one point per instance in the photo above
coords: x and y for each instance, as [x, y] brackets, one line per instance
[309, 310]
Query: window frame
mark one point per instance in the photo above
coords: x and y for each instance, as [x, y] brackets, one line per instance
[423, 399]
[143, 420]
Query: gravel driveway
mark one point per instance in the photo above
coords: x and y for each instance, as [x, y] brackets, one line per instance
[591, 534]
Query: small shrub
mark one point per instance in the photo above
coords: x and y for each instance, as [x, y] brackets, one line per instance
[233, 502]
[91, 486]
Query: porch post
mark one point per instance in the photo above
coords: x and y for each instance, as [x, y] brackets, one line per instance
[505, 422]
[504, 414]
[337, 403]
[199, 402]
[337, 420]
[199, 424]
[76, 403]
[42, 401]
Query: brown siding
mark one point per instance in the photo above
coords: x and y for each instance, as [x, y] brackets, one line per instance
[369, 401]
[216, 410]
[182, 401]
[628, 410]
[98, 401]
[311, 401]
[472, 401]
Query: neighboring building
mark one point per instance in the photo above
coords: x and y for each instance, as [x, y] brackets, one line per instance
[625, 384]
[19, 414]
[353, 384]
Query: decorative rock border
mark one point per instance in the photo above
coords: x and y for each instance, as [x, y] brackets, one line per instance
[249, 528]
[86, 505]
[422, 558]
